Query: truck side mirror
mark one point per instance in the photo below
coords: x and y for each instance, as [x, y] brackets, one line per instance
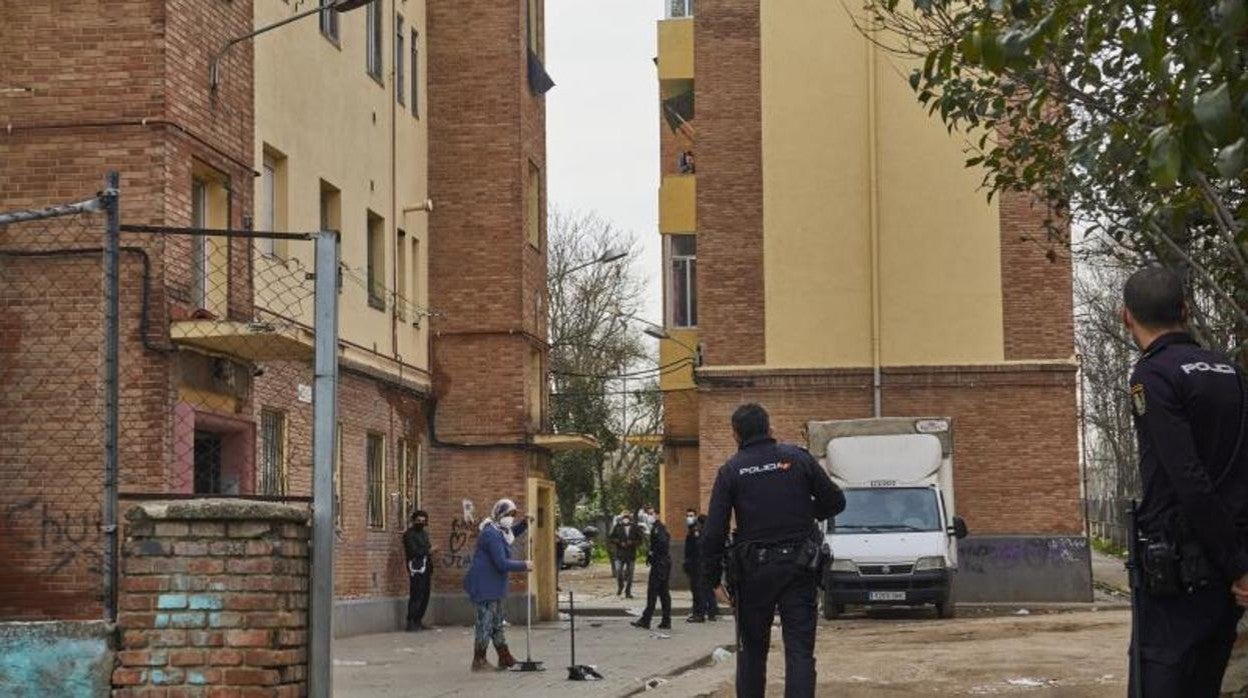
[958, 529]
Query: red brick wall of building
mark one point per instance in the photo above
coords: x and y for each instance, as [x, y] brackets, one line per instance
[730, 187]
[1016, 461]
[1036, 291]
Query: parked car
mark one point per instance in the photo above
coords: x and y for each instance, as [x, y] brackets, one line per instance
[578, 549]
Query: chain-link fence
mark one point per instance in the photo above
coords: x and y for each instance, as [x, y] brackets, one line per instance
[152, 362]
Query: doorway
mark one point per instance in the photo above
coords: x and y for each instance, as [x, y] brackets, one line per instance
[207, 474]
[542, 507]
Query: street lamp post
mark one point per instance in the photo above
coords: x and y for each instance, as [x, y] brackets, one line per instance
[214, 67]
[609, 255]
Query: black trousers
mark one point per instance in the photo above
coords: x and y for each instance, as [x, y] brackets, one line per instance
[418, 587]
[695, 588]
[772, 586]
[658, 588]
[1186, 642]
[624, 575]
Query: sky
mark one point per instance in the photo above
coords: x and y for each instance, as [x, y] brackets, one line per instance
[602, 120]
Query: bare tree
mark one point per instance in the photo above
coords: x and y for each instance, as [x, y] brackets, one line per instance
[594, 347]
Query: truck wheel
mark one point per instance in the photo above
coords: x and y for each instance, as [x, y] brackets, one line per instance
[585, 561]
[946, 609]
[831, 609]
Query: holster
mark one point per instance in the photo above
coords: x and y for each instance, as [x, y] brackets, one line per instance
[1174, 565]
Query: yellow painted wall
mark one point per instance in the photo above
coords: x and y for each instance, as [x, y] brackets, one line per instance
[317, 106]
[672, 351]
[678, 204]
[676, 49]
[940, 267]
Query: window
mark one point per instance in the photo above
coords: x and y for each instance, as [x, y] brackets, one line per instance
[373, 39]
[329, 21]
[682, 282]
[533, 205]
[272, 202]
[338, 476]
[415, 74]
[199, 244]
[400, 80]
[272, 452]
[402, 299]
[409, 478]
[679, 8]
[207, 463]
[536, 389]
[414, 293]
[331, 213]
[533, 23]
[376, 261]
[375, 461]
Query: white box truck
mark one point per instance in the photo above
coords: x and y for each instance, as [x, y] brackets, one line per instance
[896, 543]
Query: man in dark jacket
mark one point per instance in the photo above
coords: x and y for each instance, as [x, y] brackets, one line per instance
[626, 536]
[704, 606]
[418, 550]
[659, 586]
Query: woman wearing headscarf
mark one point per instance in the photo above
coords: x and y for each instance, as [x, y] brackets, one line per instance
[486, 581]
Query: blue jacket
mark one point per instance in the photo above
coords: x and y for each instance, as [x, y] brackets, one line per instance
[487, 576]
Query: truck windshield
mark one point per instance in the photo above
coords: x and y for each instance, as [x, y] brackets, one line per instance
[888, 510]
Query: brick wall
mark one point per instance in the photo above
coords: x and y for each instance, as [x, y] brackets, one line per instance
[214, 599]
[1036, 291]
[1016, 460]
[486, 281]
[730, 186]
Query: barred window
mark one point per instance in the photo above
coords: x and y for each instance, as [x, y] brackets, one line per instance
[272, 452]
[409, 479]
[375, 461]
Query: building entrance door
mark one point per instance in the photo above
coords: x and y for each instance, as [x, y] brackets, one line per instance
[542, 508]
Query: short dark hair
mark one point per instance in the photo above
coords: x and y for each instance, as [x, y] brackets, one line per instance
[750, 421]
[420, 513]
[1154, 295]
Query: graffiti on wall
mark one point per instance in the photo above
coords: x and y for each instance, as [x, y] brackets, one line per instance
[458, 554]
[985, 555]
[63, 538]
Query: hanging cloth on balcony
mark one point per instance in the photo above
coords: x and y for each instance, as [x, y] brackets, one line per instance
[678, 111]
[539, 81]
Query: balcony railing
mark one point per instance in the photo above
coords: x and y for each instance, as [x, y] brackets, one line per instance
[677, 9]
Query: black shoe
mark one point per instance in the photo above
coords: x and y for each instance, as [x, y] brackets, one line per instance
[696, 618]
[665, 625]
[644, 625]
[713, 619]
[628, 595]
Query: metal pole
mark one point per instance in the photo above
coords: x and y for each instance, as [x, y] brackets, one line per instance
[324, 410]
[110, 197]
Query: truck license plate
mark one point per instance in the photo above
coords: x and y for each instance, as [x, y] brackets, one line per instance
[886, 596]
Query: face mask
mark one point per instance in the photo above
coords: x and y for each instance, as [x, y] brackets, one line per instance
[690, 520]
[418, 524]
[627, 522]
[507, 521]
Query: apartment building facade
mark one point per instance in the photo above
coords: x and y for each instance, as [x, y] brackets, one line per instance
[827, 254]
[324, 123]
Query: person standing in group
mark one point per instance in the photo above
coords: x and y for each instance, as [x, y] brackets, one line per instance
[658, 587]
[776, 492]
[627, 537]
[612, 553]
[418, 552]
[1188, 405]
[486, 581]
[704, 607]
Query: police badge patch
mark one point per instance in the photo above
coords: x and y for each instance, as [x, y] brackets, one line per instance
[1137, 399]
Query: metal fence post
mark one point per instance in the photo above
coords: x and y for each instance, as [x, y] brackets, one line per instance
[325, 419]
[110, 197]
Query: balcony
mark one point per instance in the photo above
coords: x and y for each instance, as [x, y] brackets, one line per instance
[678, 197]
[675, 50]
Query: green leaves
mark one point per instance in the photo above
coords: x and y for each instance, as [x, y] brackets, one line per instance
[1216, 115]
[1233, 159]
[1165, 157]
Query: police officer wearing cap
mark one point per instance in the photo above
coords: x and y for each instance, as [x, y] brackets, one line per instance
[1188, 406]
[776, 492]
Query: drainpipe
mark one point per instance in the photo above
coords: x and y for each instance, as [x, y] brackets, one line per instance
[394, 175]
[873, 222]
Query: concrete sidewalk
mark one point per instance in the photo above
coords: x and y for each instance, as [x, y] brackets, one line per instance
[435, 662]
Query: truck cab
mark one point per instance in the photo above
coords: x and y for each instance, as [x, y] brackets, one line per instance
[896, 541]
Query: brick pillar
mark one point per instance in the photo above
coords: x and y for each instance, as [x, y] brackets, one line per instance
[214, 600]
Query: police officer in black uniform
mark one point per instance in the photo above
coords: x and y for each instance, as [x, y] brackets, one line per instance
[776, 491]
[1193, 517]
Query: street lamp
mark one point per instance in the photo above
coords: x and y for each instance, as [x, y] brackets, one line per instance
[214, 67]
[653, 330]
[608, 255]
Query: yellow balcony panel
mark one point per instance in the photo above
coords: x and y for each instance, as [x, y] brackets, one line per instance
[558, 443]
[676, 49]
[250, 341]
[678, 348]
[678, 204]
